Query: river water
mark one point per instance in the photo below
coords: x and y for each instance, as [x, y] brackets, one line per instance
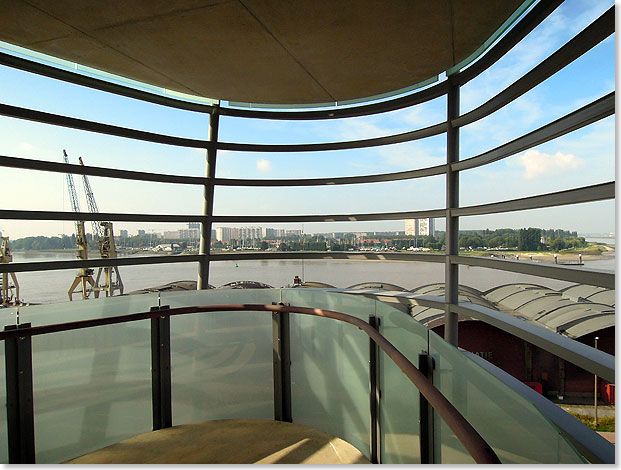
[52, 286]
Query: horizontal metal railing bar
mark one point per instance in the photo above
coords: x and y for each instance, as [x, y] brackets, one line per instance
[580, 275]
[352, 144]
[58, 167]
[233, 256]
[98, 263]
[330, 255]
[472, 441]
[91, 126]
[435, 213]
[394, 104]
[518, 31]
[598, 109]
[377, 178]
[113, 216]
[596, 192]
[99, 84]
[591, 36]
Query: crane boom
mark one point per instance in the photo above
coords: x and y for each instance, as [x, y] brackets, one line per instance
[98, 231]
[73, 195]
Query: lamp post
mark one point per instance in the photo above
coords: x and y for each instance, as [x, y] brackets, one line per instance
[595, 393]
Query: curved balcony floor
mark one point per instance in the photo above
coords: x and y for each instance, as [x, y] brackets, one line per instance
[229, 441]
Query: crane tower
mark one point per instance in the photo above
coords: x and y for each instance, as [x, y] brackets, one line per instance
[5, 288]
[84, 278]
[103, 232]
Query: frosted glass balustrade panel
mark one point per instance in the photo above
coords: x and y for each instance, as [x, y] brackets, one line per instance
[512, 426]
[399, 408]
[92, 387]
[221, 361]
[330, 366]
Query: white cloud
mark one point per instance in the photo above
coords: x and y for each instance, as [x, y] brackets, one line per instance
[25, 146]
[264, 165]
[537, 163]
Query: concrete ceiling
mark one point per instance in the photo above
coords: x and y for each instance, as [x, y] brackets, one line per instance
[260, 51]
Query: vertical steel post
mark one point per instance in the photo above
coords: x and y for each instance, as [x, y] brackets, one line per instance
[208, 195]
[595, 392]
[19, 397]
[161, 382]
[282, 367]
[452, 222]
[375, 394]
[426, 430]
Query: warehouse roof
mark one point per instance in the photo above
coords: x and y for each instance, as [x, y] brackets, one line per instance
[564, 312]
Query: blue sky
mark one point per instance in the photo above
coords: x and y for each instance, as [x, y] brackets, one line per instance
[584, 157]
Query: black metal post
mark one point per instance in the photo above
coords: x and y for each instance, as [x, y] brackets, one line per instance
[452, 222]
[19, 397]
[208, 195]
[282, 367]
[425, 365]
[160, 371]
[375, 394]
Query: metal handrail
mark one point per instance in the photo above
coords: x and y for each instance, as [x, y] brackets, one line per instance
[472, 441]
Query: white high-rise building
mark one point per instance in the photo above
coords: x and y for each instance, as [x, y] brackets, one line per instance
[426, 227]
[411, 226]
[224, 234]
[273, 233]
[251, 233]
[420, 227]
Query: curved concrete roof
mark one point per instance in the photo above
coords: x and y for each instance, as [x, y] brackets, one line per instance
[571, 312]
[565, 312]
[261, 51]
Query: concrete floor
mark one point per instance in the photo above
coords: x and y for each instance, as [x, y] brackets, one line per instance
[238, 441]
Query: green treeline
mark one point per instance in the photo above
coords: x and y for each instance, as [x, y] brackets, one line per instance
[45, 243]
[524, 239]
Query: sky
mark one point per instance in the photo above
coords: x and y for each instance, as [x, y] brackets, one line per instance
[581, 158]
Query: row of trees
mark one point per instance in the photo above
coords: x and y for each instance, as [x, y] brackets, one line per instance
[46, 243]
[525, 239]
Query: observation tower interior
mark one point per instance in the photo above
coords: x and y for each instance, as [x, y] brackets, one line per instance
[468, 363]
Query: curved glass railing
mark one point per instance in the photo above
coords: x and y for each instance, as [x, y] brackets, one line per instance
[92, 387]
